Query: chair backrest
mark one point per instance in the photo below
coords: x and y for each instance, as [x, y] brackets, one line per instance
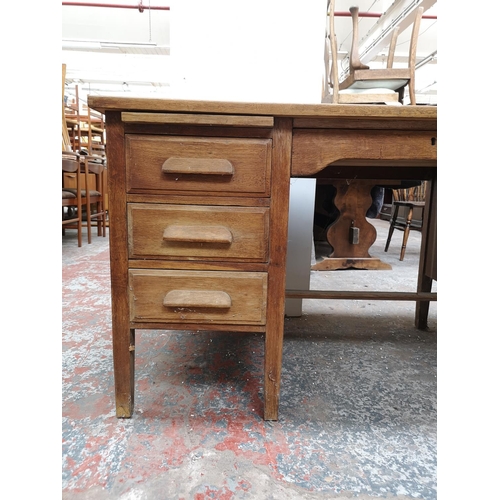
[95, 125]
[415, 193]
[66, 141]
[99, 151]
[412, 55]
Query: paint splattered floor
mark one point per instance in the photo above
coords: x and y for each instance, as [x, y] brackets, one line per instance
[358, 399]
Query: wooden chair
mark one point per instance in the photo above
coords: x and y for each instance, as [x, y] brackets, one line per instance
[72, 200]
[361, 77]
[92, 167]
[406, 224]
[408, 214]
[78, 166]
[332, 93]
[99, 150]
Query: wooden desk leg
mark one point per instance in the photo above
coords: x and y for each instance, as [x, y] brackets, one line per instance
[124, 362]
[123, 335]
[351, 235]
[278, 236]
[427, 269]
[422, 308]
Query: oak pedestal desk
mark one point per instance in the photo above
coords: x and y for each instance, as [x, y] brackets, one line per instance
[198, 208]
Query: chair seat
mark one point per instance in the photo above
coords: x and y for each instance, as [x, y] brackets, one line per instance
[68, 195]
[83, 191]
[404, 203]
[391, 84]
[402, 223]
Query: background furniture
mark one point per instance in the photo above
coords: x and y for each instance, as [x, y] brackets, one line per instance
[362, 77]
[83, 130]
[92, 194]
[405, 223]
[94, 167]
[407, 211]
[362, 84]
[83, 127]
[199, 195]
[71, 121]
[72, 200]
[331, 89]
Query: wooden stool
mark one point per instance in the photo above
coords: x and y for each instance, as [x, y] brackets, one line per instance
[405, 224]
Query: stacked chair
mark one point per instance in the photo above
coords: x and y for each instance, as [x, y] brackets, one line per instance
[87, 202]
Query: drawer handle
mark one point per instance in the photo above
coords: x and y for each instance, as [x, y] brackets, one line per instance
[198, 234]
[197, 298]
[200, 166]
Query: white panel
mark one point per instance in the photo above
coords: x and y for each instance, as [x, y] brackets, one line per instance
[269, 51]
[300, 240]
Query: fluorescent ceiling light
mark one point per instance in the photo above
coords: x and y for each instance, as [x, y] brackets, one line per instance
[95, 45]
[127, 44]
[80, 44]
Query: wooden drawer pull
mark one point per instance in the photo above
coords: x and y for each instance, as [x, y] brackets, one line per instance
[200, 166]
[198, 234]
[197, 298]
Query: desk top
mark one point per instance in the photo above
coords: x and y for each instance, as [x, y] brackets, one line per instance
[361, 111]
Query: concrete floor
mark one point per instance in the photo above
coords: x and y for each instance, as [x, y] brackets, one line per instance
[358, 404]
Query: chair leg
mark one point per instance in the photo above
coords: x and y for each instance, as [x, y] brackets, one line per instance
[89, 219]
[391, 228]
[99, 206]
[406, 232]
[87, 202]
[80, 230]
[101, 222]
[411, 91]
[99, 219]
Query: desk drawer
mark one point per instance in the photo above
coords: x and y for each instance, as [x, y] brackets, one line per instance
[211, 166]
[198, 232]
[201, 297]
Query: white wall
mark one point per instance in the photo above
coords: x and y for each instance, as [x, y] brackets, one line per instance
[259, 50]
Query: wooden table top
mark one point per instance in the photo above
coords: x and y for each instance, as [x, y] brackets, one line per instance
[362, 111]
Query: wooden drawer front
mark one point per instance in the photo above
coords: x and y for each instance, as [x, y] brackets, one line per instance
[194, 232]
[208, 165]
[200, 297]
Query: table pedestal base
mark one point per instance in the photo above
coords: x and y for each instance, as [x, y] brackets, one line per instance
[351, 235]
[332, 264]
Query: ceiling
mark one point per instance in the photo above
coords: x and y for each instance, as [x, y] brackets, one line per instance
[125, 46]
